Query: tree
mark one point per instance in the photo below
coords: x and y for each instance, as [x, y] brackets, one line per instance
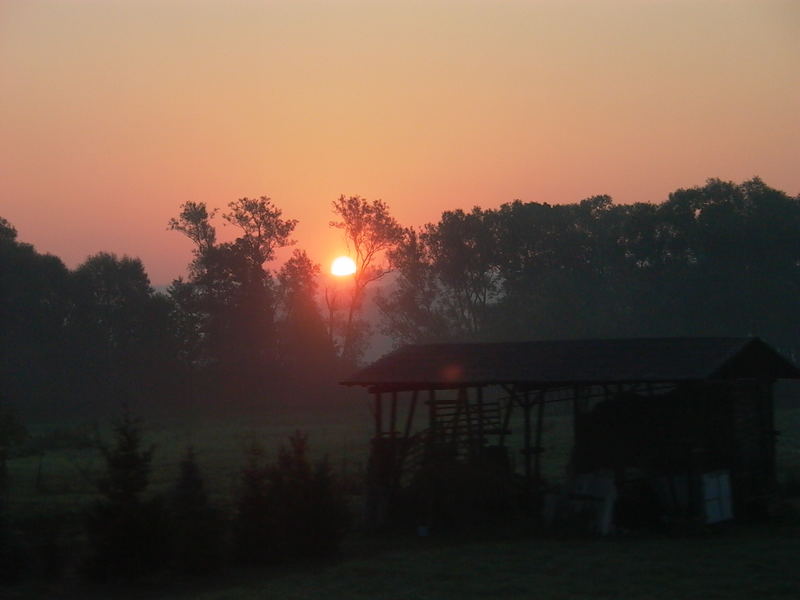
[122, 337]
[12, 433]
[464, 256]
[288, 510]
[411, 312]
[35, 303]
[305, 349]
[127, 532]
[369, 232]
[228, 304]
[310, 512]
[262, 227]
[194, 221]
[449, 279]
[195, 526]
[253, 526]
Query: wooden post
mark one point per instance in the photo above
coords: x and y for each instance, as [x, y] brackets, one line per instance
[457, 415]
[537, 470]
[393, 415]
[526, 407]
[378, 415]
[506, 421]
[432, 413]
[479, 396]
[410, 416]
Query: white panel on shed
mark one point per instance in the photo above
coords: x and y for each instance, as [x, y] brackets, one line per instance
[717, 496]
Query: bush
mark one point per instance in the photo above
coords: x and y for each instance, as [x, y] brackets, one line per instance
[127, 533]
[195, 527]
[253, 525]
[290, 510]
[310, 510]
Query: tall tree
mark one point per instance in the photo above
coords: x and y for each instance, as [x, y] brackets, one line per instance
[369, 232]
[228, 303]
[126, 530]
[122, 339]
[35, 302]
[306, 352]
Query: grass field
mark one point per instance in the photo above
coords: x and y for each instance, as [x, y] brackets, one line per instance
[731, 561]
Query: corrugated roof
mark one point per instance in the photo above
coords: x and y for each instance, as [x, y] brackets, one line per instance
[575, 361]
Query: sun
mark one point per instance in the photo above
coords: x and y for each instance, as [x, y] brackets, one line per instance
[343, 266]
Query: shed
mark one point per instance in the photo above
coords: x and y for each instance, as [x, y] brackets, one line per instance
[685, 422]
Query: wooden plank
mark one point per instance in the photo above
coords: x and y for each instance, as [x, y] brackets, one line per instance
[479, 398]
[537, 465]
[526, 412]
[393, 415]
[378, 414]
[410, 416]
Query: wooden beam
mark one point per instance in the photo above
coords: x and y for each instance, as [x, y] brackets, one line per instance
[479, 398]
[526, 411]
[506, 421]
[378, 415]
[393, 416]
[537, 465]
[410, 415]
[432, 412]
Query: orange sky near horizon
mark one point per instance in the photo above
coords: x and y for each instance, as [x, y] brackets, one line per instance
[114, 112]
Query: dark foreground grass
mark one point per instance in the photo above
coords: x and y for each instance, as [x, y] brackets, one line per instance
[731, 562]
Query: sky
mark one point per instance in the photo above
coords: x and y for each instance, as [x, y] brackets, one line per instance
[114, 112]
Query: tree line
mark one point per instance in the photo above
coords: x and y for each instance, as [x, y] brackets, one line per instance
[718, 259]
[722, 259]
[235, 333]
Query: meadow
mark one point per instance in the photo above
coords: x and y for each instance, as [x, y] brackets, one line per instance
[736, 560]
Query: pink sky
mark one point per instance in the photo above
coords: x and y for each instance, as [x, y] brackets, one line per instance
[114, 112]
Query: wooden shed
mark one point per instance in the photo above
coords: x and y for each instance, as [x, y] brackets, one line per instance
[682, 427]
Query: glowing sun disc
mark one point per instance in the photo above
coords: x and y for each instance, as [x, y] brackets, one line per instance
[342, 266]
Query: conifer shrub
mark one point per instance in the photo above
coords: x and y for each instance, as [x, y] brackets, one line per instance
[127, 532]
[310, 510]
[292, 509]
[195, 526]
[253, 526]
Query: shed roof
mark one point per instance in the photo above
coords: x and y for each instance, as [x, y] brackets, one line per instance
[575, 361]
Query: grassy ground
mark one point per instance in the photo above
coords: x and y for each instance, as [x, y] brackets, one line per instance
[61, 478]
[732, 561]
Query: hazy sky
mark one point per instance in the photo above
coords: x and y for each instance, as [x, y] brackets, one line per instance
[113, 113]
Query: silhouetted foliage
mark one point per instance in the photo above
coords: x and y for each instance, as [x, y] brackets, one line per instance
[226, 310]
[309, 509]
[34, 305]
[717, 259]
[253, 526]
[305, 350]
[195, 526]
[122, 340]
[127, 532]
[721, 259]
[290, 510]
[12, 433]
[369, 233]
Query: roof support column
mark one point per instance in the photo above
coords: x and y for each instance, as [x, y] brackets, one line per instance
[378, 415]
[526, 450]
[537, 465]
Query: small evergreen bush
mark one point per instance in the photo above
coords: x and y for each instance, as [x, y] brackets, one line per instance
[195, 526]
[126, 532]
[290, 510]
